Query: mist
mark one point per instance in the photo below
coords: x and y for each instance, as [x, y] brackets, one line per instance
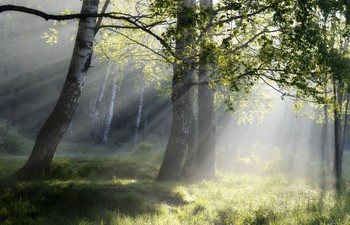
[292, 136]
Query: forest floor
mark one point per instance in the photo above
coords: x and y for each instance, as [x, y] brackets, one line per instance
[121, 190]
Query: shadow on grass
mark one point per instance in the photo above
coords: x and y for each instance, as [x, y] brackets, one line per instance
[91, 190]
[67, 202]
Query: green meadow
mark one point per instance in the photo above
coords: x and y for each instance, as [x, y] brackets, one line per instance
[122, 190]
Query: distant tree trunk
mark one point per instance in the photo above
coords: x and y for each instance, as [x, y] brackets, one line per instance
[205, 155]
[325, 155]
[56, 125]
[97, 115]
[109, 116]
[183, 125]
[139, 111]
[337, 166]
[346, 117]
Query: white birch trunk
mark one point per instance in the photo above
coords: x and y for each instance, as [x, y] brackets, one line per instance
[56, 125]
[108, 120]
[96, 114]
[139, 111]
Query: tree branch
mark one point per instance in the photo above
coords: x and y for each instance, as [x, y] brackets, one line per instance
[112, 15]
[230, 19]
[135, 41]
[134, 20]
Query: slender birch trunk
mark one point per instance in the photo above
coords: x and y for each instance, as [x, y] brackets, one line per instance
[97, 115]
[108, 120]
[57, 123]
[139, 111]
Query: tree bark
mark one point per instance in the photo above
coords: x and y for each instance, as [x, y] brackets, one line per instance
[57, 123]
[183, 125]
[205, 157]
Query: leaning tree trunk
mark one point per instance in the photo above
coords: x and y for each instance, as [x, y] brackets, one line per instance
[56, 125]
[183, 125]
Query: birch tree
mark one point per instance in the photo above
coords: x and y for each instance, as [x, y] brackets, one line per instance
[97, 109]
[110, 112]
[61, 116]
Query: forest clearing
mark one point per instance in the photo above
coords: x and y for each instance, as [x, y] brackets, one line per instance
[174, 112]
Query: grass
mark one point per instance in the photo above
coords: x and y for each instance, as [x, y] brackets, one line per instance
[85, 191]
